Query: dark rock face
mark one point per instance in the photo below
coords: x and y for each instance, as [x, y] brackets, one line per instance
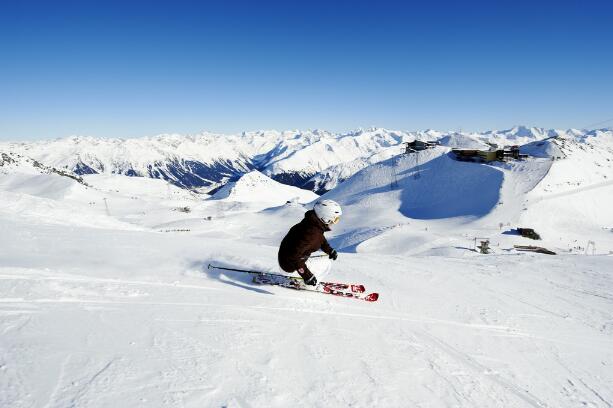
[82, 169]
[6, 159]
[183, 173]
[191, 174]
[296, 179]
[313, 186]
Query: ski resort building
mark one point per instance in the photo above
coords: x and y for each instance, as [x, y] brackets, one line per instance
[486, 156]
[418, 145]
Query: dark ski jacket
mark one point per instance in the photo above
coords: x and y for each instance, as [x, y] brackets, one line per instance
[301, 241]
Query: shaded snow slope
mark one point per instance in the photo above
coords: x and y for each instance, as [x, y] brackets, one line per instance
[428, 200]
[429, 185]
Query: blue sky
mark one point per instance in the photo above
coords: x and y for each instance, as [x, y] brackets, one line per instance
[129, 69]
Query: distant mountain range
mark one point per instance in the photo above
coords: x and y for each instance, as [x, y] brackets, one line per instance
[315, 160]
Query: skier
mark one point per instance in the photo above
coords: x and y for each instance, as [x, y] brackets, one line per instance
[307, 237]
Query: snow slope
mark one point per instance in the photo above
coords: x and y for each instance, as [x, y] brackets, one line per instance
[573, 203]
[431, 199]
[48, 195]
[256, 187]
[106, 298]
[135, 318]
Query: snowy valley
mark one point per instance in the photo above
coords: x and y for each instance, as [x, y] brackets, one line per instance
[106, 298]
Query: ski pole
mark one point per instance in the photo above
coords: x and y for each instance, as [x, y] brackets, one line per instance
[250, 272]
[317, 256]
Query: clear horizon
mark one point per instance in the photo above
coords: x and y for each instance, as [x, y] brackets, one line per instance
[147, 68]
[466, 131]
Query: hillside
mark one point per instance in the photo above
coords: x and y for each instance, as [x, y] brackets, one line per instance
[564, 192]
[256, 187]
[106, 297]
[573, 203]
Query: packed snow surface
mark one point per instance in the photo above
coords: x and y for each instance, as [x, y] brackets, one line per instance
[106, 298]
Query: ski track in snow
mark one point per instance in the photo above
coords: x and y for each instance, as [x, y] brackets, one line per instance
[442, 356]
[501, 330]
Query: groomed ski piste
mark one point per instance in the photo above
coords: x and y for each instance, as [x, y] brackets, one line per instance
[106, 299]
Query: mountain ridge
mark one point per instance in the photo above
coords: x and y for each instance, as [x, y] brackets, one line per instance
[313, 159]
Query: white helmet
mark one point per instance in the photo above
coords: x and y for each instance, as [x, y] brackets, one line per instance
[328, 211]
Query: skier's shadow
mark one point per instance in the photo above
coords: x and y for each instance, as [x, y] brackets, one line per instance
[242, 281]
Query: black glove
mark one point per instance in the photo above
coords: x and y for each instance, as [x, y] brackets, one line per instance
[333, 254]
[312, 281]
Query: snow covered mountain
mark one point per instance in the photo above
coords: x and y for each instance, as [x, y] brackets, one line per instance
[106, 277]
[47, 195]
[256, 187]
[209, 160]
[564, 190]
[317, 160]
[12, 162]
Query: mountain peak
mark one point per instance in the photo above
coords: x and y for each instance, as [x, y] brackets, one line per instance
[257, 187]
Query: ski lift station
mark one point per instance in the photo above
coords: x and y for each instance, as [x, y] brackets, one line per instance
[418, 146]
[486, 156]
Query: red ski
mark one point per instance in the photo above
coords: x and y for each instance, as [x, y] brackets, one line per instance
[330, 288]
[369, 297]
[344, 287]
[348, 290]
